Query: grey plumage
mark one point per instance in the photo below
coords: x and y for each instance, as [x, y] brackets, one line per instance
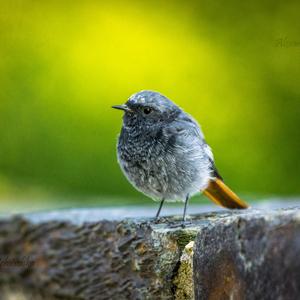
[161, 149]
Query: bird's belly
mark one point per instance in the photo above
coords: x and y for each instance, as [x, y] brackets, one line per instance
[166, 177]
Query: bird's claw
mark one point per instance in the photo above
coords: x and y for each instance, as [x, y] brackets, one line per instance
[156, 220]
[184, 223]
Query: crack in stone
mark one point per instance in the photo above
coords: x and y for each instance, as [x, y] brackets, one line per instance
[183, 281]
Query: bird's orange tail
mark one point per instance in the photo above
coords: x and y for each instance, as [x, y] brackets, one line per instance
[222, 195]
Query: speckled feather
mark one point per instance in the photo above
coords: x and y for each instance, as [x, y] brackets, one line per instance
[163, 154]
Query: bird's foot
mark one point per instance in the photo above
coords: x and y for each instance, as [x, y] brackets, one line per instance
[157, 220]
[185, 223]
[182, 224]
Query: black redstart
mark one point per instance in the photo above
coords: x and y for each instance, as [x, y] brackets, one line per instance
[163, 153]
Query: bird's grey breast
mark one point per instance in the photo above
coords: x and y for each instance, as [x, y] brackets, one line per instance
[165, 161]
[140, 154]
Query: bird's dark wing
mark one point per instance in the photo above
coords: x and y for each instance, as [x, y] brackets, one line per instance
[187, 121]
[215, 172]
[186, 124]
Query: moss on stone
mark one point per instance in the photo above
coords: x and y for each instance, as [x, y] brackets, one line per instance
[183, 281]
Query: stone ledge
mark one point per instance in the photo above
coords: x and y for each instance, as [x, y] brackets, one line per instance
[236, 254]
[249, 256]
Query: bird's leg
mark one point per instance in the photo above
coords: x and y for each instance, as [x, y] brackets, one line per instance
[159, 209]
[184, 211]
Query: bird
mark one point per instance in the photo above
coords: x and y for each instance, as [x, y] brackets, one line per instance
[162, 152]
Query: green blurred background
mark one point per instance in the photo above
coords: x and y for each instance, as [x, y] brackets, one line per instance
[234, 66]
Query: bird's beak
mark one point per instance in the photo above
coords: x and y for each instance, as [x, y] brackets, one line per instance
[122, 107]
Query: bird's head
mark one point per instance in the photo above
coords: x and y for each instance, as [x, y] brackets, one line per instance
[148, 108]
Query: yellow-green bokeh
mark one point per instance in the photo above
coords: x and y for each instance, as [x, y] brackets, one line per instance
[234, 66]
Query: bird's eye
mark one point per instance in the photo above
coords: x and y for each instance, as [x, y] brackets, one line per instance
[147, 110]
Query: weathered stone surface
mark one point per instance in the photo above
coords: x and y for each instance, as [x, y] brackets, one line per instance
[253, 255]
[130, 259]
[79, 254]
[184, 281]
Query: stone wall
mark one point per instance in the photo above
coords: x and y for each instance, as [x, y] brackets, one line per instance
[251, 254]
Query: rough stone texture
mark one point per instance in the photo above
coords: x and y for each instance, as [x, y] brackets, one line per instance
[78, 254]
[253, 255]
[184, 281]
[91, 260]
